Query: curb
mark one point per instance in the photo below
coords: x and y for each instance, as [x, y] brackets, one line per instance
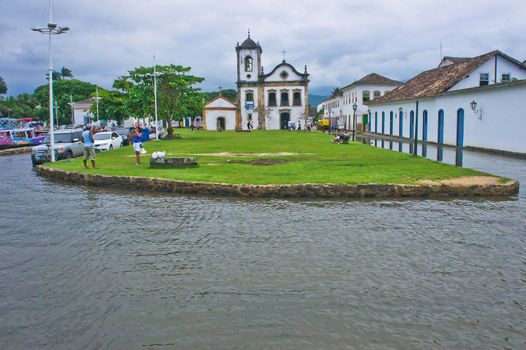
[282, 191]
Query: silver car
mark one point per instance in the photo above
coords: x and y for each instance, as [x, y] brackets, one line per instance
[68, 144]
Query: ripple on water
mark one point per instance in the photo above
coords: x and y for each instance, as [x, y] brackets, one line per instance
[84, 267]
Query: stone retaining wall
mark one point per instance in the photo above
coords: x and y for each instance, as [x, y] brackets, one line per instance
[18, 150]
[282, 191]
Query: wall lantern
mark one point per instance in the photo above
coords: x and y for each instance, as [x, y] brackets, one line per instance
[474, 108]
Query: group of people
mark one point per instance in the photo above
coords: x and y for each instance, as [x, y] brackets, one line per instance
[341, 137]
[292, 126]
[89, 144]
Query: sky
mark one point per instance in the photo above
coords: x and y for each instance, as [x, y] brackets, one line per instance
[339, 40]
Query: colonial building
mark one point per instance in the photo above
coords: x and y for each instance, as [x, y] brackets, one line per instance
[81, 112]
[220, 114]
[360, 92]
[268, 101]
[477, 102]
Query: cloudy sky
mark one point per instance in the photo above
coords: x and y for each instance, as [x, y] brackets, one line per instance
[339, 41]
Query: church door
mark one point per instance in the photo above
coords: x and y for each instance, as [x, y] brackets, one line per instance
[284, 120]
[220, 124]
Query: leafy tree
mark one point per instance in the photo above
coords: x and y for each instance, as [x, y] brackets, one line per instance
[63, 90]
[111, 106]
[22, 106]
[3, 86]
[176, 95]
[231, 94]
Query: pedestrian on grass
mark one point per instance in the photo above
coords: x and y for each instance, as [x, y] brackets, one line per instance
[89, 147]
[136, 135]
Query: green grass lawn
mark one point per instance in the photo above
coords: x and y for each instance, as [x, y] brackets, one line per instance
[316, 160]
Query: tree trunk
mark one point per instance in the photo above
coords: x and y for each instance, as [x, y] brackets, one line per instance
[170, 128]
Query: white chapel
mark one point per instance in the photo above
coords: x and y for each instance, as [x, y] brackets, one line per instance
[268, 101]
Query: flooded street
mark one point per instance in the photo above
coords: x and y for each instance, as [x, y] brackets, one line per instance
[94, 269]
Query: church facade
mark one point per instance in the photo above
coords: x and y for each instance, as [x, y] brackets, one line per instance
[268, 101]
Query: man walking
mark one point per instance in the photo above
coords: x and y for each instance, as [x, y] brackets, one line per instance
[89, 147]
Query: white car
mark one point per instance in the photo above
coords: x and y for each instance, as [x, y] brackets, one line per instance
[105, 141]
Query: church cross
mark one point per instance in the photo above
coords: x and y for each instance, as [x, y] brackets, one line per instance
[220, 88]
[284, 52]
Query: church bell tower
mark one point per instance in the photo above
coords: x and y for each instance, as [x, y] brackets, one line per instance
[248, 61]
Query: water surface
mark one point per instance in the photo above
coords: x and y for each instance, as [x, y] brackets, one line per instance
[88, 268]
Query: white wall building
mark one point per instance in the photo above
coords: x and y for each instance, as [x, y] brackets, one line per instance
[361, 91]
[465, 102]
[220, 114]
[270, 100]
[81, 115]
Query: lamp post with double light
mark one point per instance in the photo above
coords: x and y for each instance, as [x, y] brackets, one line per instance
[51, 29]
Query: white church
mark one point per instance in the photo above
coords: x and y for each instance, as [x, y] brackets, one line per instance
[266, 101]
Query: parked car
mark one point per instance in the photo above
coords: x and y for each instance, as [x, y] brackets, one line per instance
[68, 144]
[108, 140]
[124, 133]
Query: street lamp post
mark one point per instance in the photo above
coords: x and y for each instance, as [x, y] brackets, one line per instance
[155, 98]
[354, 108]
[97, 98]
[50, 30]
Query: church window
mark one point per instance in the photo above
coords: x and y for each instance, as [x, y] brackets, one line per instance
[366, 95]
[249, 76]
[377, 94]
[484, 79]
[248, 64]
[296, 98]
[284, 75]
[284, 98]
[272, 99]
[249, 100]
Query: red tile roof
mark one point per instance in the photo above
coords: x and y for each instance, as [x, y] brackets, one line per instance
[374, 79]
[436, 81]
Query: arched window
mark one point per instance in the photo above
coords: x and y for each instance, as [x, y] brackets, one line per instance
[366, 95]
[249, 100]
[284, 101]
[383, 122]
[460, 127]
[440, 138]
[248, 64]
[391, 122]
[424, 125]
[296, 98]
[412, 125]
[377, 94]
[272, 99]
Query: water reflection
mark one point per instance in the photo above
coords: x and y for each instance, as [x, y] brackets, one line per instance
[440, 153]
[455, 155]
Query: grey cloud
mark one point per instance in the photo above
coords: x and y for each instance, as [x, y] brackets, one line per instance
[339, 40]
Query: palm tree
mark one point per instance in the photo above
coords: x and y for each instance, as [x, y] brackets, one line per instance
[335, 92]
[66, 73]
